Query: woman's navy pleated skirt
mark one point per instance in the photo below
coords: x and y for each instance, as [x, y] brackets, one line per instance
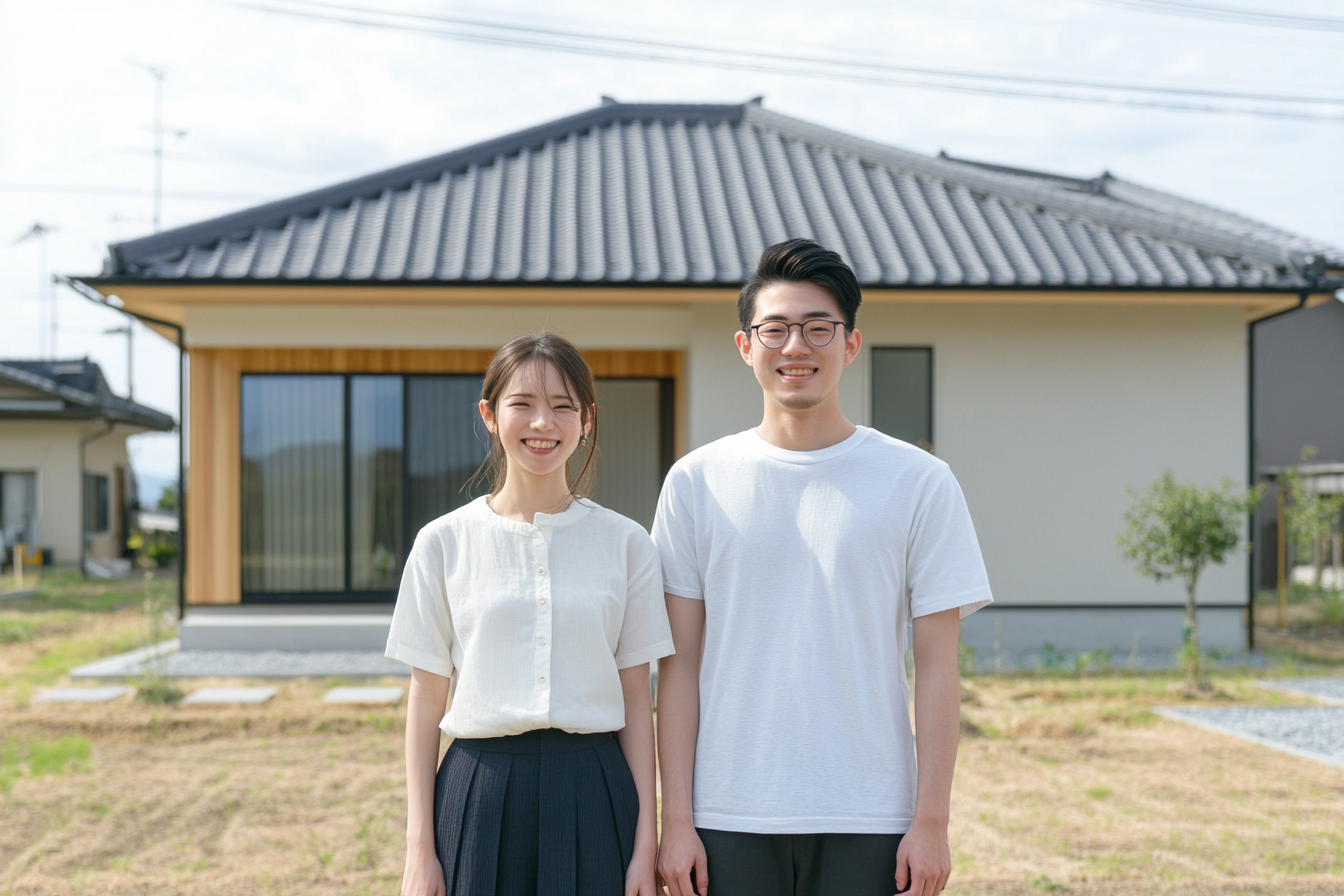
[543, 813]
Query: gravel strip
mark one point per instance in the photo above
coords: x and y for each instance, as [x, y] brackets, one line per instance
[1071, 660]
[1314, 732]
[1327, 690]
[279, 664]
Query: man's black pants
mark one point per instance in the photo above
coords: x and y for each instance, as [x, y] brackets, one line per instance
[800, 864]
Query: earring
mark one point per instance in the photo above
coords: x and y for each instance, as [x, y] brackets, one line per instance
[583, 440]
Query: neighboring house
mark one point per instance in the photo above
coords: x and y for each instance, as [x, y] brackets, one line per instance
[1299, 401]
[66, 484]
[1054, 339]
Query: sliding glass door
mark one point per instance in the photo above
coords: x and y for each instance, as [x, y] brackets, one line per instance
[340, 471]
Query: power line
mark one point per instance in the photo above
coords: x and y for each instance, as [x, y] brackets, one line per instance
[644, 51]
[1235, 14]
[830, 61]
[94, 190]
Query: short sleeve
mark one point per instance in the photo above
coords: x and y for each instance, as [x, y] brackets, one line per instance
[674, 534]
[646, 634]
[944, 568]
[422, 624]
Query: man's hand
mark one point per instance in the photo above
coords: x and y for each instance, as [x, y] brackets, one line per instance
[923, 861]
[681, 853]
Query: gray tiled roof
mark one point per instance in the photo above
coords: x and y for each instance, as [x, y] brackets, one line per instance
[690, 194]
[82, 390]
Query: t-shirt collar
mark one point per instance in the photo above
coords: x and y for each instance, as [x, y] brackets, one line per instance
[830, 452]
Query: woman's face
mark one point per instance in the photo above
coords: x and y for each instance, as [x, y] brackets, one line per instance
[537, 420]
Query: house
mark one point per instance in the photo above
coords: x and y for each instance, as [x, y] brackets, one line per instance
[1055, 339]
[66, 484]
[1298, 374]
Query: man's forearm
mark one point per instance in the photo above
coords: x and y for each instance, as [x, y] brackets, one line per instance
[678, 729]
[937, 713]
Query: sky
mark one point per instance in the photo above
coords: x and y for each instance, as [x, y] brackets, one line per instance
[260, 105]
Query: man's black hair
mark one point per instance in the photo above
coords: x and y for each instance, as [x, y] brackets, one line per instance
[802, 261]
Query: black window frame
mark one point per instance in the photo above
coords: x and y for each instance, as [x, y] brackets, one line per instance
[346, 596]
[933, 391]
[667, 412]
[96, 504]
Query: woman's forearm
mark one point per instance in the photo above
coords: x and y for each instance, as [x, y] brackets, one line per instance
[636, 740]
[424, 711]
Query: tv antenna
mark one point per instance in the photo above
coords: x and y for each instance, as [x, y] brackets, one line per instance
[158, 72]
[45, 296]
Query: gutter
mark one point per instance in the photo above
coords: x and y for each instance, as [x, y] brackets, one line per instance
[93, 295]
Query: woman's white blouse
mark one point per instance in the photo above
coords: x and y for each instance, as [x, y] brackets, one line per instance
[531, 620]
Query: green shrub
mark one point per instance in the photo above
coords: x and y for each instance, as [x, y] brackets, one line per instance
[965, 660]
[15, 630]
[158, 691]
[1332, 608]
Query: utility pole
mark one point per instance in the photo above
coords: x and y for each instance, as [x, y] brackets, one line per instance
[130, 356]
[46, 296]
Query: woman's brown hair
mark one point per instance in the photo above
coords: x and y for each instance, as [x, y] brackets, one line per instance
[560, 353]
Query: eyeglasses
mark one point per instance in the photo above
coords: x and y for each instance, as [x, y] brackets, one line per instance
[818, 332]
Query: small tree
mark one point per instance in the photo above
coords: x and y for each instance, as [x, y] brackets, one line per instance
[1309, 517]
[168, 497]
[1174, 530]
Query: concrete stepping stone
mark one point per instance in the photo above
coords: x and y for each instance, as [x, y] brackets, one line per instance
[230, 695]
[390, 694]
[83, 695]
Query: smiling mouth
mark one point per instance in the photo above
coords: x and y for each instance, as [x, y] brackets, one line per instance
[793, 373]
[541, 444]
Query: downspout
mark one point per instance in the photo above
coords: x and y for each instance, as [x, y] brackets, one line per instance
[84, 495]
[1316, 282]
[93, 295]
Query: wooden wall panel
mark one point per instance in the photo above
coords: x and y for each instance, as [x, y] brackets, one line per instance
[214, 488]
[214, 528]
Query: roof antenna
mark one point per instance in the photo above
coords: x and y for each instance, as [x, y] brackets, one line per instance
[610, 101]
[157, 72]
[46, 297]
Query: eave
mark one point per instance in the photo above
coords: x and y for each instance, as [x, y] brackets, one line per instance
[168, 301]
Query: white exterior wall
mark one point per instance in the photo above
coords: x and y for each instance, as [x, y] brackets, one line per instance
[51, 450]
[1045, 412]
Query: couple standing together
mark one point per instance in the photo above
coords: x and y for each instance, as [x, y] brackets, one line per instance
[785, 565]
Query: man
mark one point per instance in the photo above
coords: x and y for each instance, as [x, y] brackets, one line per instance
[794, 557]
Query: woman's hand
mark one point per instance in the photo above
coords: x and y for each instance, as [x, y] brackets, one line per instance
[639, 878]
[423, 875]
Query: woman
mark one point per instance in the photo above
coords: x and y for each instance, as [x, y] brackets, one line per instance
[543, 611]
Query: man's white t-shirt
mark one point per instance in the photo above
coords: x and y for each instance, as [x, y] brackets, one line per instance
[811, 565]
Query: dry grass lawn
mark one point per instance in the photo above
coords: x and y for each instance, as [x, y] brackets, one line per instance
[1064, 785]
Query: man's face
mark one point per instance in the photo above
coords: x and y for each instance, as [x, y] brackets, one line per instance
[798, 375]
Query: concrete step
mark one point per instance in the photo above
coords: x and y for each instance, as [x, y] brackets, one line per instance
[293, 628]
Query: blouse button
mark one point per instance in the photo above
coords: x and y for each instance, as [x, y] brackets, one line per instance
[542, 679]
[541, 642]
[541, 600]
[541, 570]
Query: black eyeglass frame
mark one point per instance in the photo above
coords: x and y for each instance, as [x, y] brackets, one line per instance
[802, 328]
